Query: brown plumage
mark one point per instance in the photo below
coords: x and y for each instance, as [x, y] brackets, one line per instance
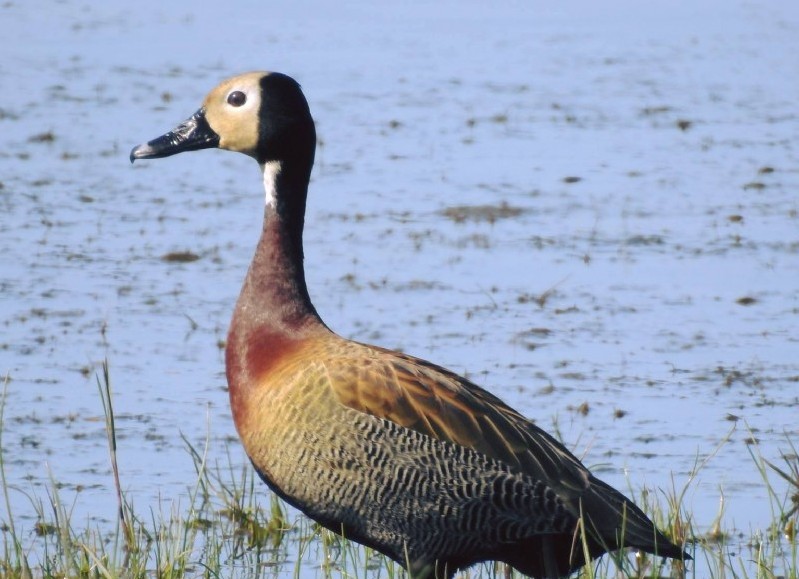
[387, 449]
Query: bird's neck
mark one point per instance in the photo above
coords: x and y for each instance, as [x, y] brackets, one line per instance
[274, 315]
[275, 296]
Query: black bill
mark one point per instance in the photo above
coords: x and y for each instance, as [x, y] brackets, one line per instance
[192, 134]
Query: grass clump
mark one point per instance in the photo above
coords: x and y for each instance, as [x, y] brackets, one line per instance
[221, 528]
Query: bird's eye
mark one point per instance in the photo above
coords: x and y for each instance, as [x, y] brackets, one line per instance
[236, 98]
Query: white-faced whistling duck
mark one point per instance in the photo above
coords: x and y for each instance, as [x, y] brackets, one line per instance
[389, 450]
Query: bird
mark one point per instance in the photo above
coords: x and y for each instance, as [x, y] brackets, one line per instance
[386, 449]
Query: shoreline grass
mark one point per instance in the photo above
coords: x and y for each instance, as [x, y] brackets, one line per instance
[230, 525]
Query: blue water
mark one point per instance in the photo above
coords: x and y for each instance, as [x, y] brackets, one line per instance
[650, 149]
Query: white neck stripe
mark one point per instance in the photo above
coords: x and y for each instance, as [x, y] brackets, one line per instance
[271, 170]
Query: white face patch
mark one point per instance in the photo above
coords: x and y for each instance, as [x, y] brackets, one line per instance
[243, 99]
[232, 112]
[271, 170]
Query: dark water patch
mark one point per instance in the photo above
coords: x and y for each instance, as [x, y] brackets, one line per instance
[357, 217]
[185, 256]
[532, 339]
[419, 285]
[645, 240]
[474, 240]
[482, 213]
[655, 110]
[46, 137]
[540, 332]
[582, 409]
[7, 115]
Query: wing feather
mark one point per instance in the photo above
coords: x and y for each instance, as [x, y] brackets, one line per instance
[436, 402]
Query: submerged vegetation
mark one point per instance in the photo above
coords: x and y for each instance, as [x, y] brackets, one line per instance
[231, 526]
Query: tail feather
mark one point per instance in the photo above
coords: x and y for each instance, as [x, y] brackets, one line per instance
[616, 522]
[611, 522]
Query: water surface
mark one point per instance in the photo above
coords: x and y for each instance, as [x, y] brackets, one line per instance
[590, 211]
